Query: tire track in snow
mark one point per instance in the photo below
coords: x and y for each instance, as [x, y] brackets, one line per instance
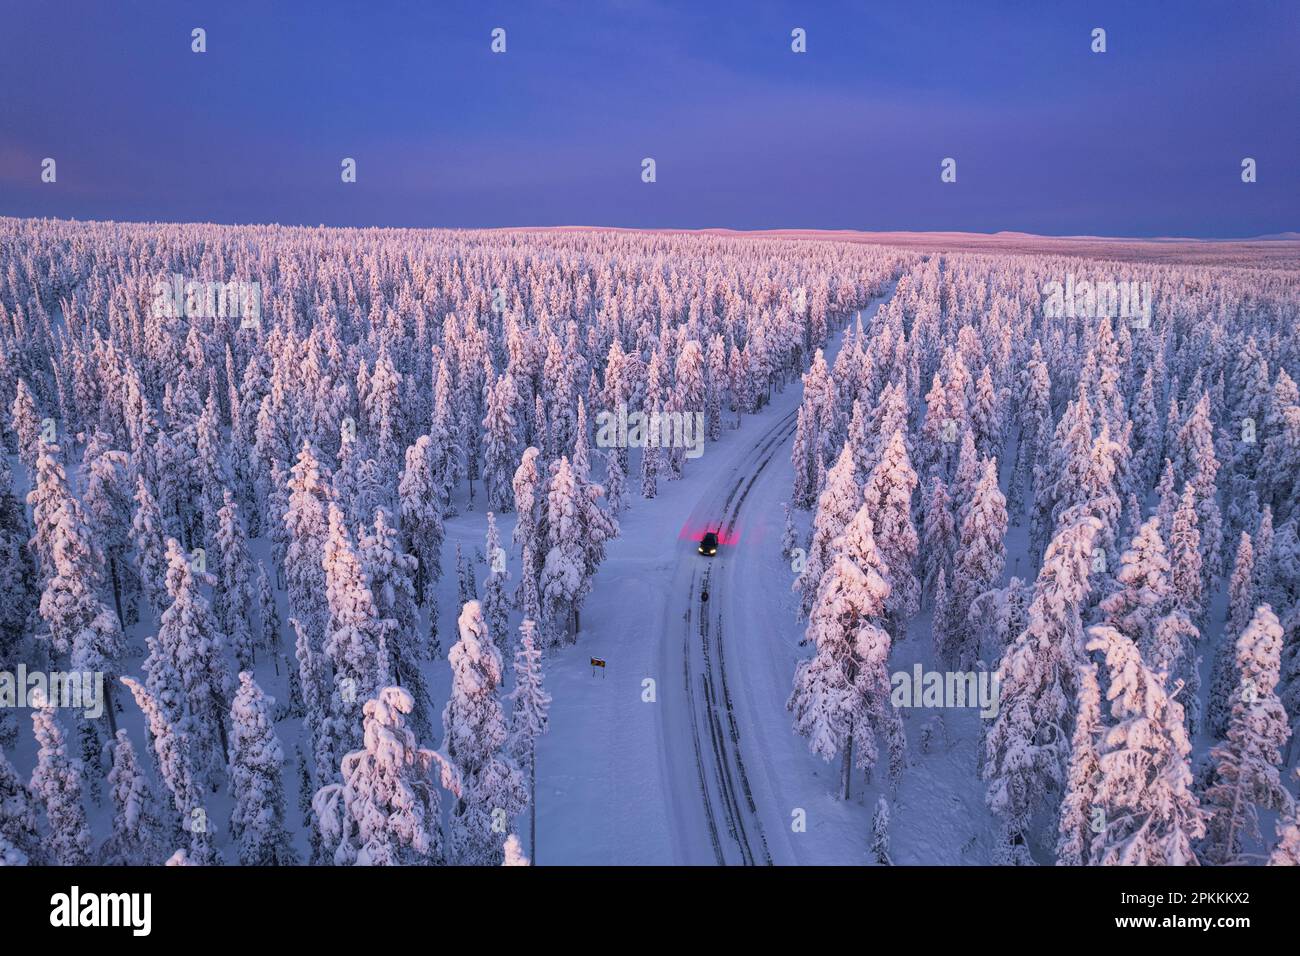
[716, 705]
[722, 766]
[695, 730]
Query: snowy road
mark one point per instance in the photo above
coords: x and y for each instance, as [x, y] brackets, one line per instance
[729, 652]
[681, 750]
[735, 832]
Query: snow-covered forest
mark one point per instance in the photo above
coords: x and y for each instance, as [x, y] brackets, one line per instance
[1097, 505]
[333, 515]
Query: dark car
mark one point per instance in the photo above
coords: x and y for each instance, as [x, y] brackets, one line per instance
[709, 543]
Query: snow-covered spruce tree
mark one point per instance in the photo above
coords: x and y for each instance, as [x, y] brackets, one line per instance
[1262, 542]
[256, 783]
[836, 505]
[314, 682]
[107, 502]
[371, 493]
[1241, 588]
[1172, 649]
[716, 386]
[986, 415]
[306, 527]
[272, 450]
[18, 818]
[1142, 604]
[888, 493]
[170, 483]
[77, 622]
[17, 575]
[740, 373]
[68, 602]
[1099, 492]
[581, 444]
[527, 598]
[654, 404]
[880, 832]
[1075, 824]
[166, 715]
[597, 527]
[1241, 606]
[1280, 461]
[561, 580]
[615, 481]
[945, 417]
[98, 648]
[1185, 580]
[149, 536]
[356, 638]
[1167, 498]
[500, 443]
[386, 811]
[492, 790]
[211, 465]
[688, 393]
[1000, 616]
[890, 414]
[233, 595]
[541, 439]
[804, 457]
[58, 522]
[56, 785]
[977, 564]
[1149, 814]
[448, 462]
[268, 618]
[967, 477]
[27, 426]
[139, 837]
[189, 637]
[789, 537]
[496, 606]
[1148, 432]
[1197, 464]
[1034, 446]
[529, 501]
[1141, 593]
[559, 384]
[391, 573]
[420, 517]
[1070, 454]
[1027, 744]
[841, 695]
[938, 533]
[528, 718]
[1246, 764]
[383, 412]
[343, 480]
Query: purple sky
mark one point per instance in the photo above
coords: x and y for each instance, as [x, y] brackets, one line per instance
[1145, 139]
